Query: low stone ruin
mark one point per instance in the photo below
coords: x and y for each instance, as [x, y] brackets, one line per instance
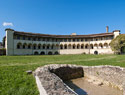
[49, 78]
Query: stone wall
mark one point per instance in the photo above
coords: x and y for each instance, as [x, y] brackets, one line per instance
[51, 77]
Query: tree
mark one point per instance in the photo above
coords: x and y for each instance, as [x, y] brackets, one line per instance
[118, 43]
[3, 41]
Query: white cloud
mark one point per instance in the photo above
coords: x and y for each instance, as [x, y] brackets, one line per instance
[7, 24]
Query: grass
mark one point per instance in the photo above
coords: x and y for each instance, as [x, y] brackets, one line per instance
[15, 81]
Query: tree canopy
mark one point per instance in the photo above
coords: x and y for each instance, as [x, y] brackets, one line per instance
[117, 43]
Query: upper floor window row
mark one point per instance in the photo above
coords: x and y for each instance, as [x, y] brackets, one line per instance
[62, 40]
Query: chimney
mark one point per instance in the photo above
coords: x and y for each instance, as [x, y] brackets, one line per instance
[73, 34]
[107, 29]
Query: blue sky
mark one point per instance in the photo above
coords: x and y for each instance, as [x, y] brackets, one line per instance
[62, 16]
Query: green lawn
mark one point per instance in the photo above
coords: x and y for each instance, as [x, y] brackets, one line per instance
[15, 81]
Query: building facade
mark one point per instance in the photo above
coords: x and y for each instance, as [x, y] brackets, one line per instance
[24, 43]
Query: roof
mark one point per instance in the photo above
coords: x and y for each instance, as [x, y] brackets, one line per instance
[62, 36]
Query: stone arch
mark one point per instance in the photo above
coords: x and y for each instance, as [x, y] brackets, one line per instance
[91, 46]
[96, 52]
[61, 46]
[95, 45]
[48, 46]
[100, 45]
[42, 53]
[36, 53]
[24, 45]
[57, 46]
[74, 46]
[52, 46]
[19, 45]
[39, 46]
[69, 46]
[65, 46]
[82, 46]
[44, 46]
[50, 53]
[86, 46]
[106, 45]
[78, 46]
[29, 46]
[34, 46]
[56, 53]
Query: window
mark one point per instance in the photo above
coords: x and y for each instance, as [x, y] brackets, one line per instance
[73, 40]
[29, 38]
[38, 39]
[77, 40]
[69, 40]
[18, 37]
[65, 40]
[43, 39]
[47, 39]
[86, 40]
[23, 37]
[81, 39]
[34, 47]
[34, 39]
[91, 39]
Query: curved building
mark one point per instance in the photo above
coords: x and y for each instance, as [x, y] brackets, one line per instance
[25, 43]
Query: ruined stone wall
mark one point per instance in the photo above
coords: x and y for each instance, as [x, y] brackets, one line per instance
[51, 77]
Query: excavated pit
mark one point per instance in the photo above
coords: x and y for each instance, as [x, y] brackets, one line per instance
[80, 80]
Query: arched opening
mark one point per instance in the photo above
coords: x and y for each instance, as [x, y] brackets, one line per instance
[61, 46]
[78, 46]
[82, 46]
[19, 45]
[39, 46]
[29, 46]
[24, 46]
[44, 46]
[86, 46]
[123, 50]
[95, 45]
[56, 53]
[100, 45]
[74, 46]
[96, 52]
[52, 47]
[50, 53]
[36, 53]
[34, 46]
[42, 53]
[65, 46]
[105, 45]
[48, 46]
[57, 46]
[91, 46]
[69, 46]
